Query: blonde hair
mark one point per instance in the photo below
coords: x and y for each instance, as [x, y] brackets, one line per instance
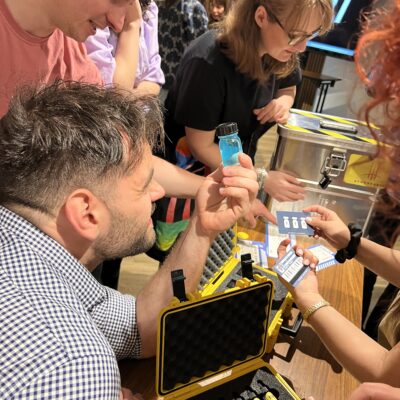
[240, 35]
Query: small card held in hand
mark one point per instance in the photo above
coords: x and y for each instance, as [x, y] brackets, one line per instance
[291, 268]
[294, 222]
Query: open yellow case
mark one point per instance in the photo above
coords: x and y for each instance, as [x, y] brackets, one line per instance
[223, 270]
[211, 347]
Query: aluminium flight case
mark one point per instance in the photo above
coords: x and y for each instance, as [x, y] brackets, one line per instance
[222, 271]
[336, 166]
[211, 348]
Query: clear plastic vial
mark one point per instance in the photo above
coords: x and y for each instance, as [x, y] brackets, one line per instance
[229, 143]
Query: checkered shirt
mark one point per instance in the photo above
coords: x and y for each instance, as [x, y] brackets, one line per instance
[60, 330]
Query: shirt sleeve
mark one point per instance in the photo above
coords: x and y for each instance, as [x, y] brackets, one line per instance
[200, 98]
[101, 52]
[291, 80]
[115, 316]
[149, 64]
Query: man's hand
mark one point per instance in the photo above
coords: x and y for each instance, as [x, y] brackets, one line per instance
[277, 110]
[133, 17]
[283, 187]
[226, 195]
[329, 226]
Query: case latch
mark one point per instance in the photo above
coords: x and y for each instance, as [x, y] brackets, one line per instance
[334, 164]
[178, 284]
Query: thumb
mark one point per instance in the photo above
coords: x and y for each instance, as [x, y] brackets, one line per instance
[316, 222]
[245, 161]
[282, 248]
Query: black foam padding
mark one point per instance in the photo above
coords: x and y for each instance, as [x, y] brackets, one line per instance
[213, 334]
[280, 289]
[247, 387]
[219, 253]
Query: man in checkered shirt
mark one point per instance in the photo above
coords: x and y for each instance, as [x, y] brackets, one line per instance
[77, 188]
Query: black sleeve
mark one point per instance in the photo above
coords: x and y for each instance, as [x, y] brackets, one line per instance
[200, 98]
[291, 80]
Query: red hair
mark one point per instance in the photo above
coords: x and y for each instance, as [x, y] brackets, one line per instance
[378, 65]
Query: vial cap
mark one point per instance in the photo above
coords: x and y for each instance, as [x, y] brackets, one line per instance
[227, 128]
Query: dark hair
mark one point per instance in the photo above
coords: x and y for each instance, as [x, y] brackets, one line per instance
[56, 138]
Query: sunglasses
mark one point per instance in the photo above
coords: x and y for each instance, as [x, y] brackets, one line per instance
[294, 38]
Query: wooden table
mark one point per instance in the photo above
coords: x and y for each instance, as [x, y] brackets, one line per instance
[303, 361]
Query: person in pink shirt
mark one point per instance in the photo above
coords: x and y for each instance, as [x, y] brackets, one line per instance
[40, 42]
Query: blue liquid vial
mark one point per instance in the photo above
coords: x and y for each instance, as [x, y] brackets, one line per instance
[229, 143]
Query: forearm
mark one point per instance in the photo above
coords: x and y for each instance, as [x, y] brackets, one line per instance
[126, 57]
[176, 181]
[189, 254]
[147, 88]
[382, 260]
[208, 155]
[286, 96]
[353, 349]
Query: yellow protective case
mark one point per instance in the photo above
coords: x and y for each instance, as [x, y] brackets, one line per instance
[211, 347]
[223, 270]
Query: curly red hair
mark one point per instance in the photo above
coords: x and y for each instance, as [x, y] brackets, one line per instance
[378, 65]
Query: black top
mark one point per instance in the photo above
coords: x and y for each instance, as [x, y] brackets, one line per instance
[208, 90]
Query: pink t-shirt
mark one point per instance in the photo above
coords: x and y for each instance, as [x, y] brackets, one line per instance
[27, 59]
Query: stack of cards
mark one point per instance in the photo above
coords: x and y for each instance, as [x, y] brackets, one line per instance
[292, 269]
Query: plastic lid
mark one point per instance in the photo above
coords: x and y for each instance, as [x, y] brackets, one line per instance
[227, 128]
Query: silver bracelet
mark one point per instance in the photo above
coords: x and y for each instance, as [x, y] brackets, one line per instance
[262, 173]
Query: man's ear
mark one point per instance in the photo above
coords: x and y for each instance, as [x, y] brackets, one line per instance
[86, 213]
[260, 16]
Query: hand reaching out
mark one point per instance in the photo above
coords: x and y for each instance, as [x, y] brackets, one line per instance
[329, 226]
[283, 187]
[275, 111]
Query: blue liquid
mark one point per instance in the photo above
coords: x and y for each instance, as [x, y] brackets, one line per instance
[230, 147]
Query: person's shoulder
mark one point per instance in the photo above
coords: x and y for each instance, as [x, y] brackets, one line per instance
[205, 46]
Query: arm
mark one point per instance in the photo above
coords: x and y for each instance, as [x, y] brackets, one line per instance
[148, 87]
[176, 181]
[382, 260]
[127, 50]
[351, 347]
[375, 391]
[277, 110]
[150, 76]
[224, 196]
[202, 146]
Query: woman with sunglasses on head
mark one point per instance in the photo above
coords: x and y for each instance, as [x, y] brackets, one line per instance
[245, 71]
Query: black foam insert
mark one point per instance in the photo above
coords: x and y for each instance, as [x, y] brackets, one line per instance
[252, 385]
[213, 334]
[280, 289]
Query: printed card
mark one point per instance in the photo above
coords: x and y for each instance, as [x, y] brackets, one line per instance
[291, 268]
[294, 222]
[257, 251]
[326, 257]
[273, 239]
